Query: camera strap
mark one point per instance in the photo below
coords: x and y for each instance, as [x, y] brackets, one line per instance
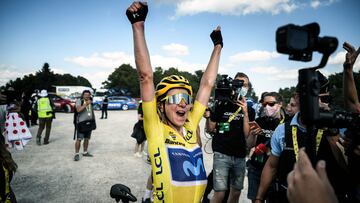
[295, 142]
[234, 114]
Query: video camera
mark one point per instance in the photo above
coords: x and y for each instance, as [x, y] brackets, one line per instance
[299, 42]
[228, 89]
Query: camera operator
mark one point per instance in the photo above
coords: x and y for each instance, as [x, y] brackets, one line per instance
[284, 153]
[230, 125]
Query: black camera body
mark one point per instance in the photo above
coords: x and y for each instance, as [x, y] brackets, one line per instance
[299, 42]
[228, 89]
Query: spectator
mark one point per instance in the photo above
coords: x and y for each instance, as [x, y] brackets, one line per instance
[34, 115]
[104, 107]
[284, 153]
[139, 133]
[45, 111]
[270, 116]
[230, 124]
[307, 185]
[351, 99]
[85, 123]
[293, 106]
[177, 161]
[25, 108]
[3, 113]
[350, 93]
[7, 170]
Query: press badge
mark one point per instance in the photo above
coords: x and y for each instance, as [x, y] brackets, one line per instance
[224, 127]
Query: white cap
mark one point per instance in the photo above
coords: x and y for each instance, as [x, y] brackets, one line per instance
[43, 93]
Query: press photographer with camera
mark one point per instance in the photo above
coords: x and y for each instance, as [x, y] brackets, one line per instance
[284, 153]
[313, 127]
[270, 115]
[304, 180]
[229, 122]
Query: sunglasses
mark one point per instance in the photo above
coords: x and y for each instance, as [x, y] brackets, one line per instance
[269, 103]
[177, 98]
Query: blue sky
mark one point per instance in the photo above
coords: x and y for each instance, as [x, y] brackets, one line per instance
[93, 37]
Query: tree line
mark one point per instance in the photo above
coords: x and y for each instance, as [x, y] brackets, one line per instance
[125, 77]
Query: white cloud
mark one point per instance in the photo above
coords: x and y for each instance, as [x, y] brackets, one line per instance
[175, 49]
[9, 72]
[167, 62]
[97, 78]
[104, 60]
[275, 73]
[234, 7]
[255, 55]
[317, 3]
[339, 58]
[112, 60]
[271, 70]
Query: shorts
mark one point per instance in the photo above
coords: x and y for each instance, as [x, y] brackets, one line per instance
[225, 166]
[254, 175]
[81, 136]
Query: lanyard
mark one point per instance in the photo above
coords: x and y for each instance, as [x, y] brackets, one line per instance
[295, 142]
[234, 114]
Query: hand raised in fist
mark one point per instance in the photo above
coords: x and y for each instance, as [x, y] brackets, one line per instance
[216, 36]
[137, 12]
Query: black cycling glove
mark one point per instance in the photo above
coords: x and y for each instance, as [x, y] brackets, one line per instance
[216, 37]
[140, 15]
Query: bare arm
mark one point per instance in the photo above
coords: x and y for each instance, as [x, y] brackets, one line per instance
[267, 176]
[350, 95]
[209, 77]
[142, 57]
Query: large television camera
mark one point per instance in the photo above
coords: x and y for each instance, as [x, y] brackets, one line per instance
[228, 89]
[299, 42]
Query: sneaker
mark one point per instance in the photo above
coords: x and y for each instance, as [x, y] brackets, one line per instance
[138, 154]
[101, 118]
[87, 154]
[38, 141]
[76, 157]
[147, 200]
[46, 142]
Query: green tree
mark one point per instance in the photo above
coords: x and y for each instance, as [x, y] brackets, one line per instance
[125, 77]
[44, 79]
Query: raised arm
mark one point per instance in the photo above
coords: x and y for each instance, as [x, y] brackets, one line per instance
[209, 77]
[136, 14]
[350, 95]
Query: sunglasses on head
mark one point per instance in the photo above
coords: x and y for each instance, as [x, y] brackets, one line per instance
[269, 103]
[177, 98]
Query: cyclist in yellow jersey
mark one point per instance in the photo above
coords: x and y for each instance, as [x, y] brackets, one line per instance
[170, 126]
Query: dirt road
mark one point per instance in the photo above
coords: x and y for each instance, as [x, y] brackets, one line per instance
[47, 173]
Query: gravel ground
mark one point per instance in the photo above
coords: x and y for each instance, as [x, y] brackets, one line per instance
[47, 173]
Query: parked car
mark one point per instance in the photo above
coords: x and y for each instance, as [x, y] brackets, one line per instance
[118, 102]
[62, 104]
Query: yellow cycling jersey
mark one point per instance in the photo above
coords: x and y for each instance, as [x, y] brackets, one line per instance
[177, 162]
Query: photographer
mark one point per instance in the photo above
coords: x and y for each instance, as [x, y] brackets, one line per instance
[230, 125]
[284, 153]
[270, 116]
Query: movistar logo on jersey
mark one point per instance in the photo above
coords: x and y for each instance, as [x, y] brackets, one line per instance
[186, 165]
[188, 168]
